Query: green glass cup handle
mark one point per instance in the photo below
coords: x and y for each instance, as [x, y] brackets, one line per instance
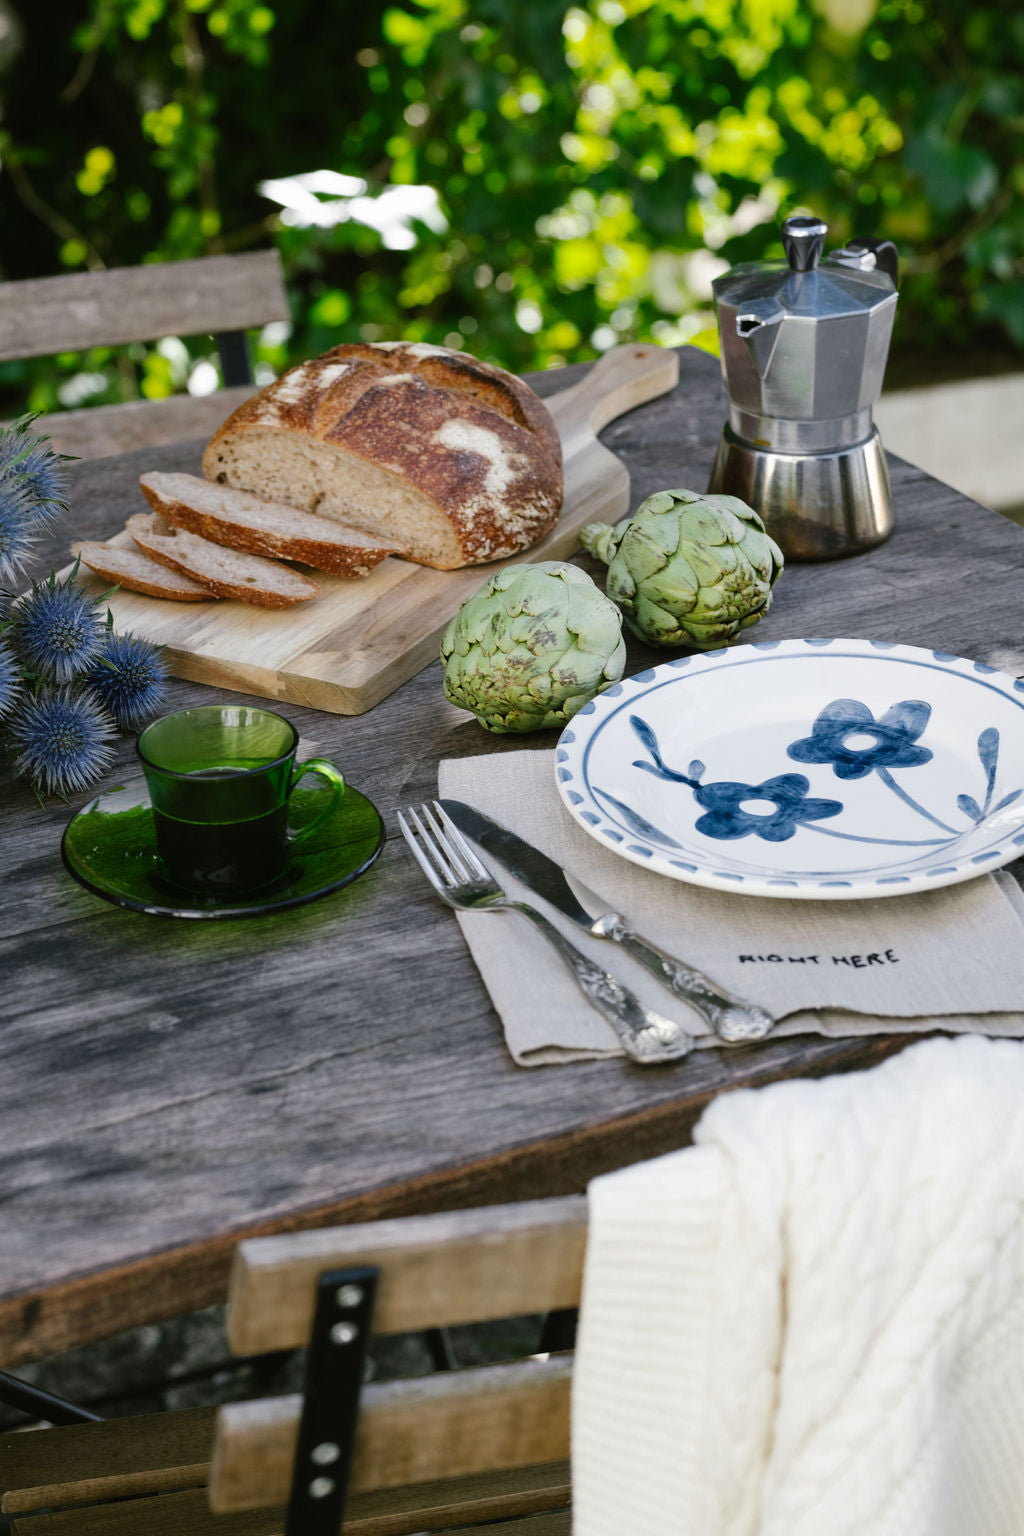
[336, 779]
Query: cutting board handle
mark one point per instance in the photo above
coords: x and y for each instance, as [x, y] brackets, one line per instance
[622, 378]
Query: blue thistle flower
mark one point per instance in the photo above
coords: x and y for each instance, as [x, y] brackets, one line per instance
[18, 525]
[63, 737]
[43, 472]
[37, 468]
[128, 679]
[10, 679]
[56, 630]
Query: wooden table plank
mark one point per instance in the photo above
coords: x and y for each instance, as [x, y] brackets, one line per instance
[169, 1086]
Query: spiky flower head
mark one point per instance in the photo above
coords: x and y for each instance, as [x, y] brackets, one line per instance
[10, 679]
[18, 525]
[62, 736]
[128, 679]
[39, 470]
[56, 630]
[33, 492]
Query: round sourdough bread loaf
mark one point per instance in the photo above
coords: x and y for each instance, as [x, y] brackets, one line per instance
[453, 459]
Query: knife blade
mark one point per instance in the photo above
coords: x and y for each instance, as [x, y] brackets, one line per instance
[732, 1018]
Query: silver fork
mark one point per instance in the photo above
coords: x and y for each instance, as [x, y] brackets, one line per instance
[462, 880]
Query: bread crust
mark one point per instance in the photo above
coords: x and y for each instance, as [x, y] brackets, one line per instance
[473, 440]
[135, 571]
[260, 536]
[222, 570]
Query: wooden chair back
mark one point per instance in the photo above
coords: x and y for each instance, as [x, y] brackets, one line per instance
[221, 296]
[447, 1451]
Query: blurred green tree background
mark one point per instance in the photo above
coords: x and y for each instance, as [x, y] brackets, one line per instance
[532, 182]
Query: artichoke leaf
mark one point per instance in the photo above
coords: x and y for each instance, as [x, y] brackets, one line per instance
[657, 624]
[663, 501]
[645, 553]
[531, 647]
[712, 565]
[703, 525]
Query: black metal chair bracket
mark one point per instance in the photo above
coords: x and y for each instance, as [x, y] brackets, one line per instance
[233, 350]
[558, 1331]
[43, 1405]
[335, 1367]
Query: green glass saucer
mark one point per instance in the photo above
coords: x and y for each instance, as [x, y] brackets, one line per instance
[109, 847]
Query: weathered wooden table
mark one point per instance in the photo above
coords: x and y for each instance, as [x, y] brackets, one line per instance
[169, 1086]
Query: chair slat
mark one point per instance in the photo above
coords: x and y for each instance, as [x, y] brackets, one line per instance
[170, 1514]
[509, 1495]
[97, 432]
[558, 1523]
[42, 316]
[114, 1459]
[446, 1425]
[454, 1267]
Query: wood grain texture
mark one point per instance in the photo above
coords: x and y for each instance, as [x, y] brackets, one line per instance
[170, 1088]
[45, 315]
[188, 1514]
[96, 432]
[508, 1494]
[436, 1271]
[117, 1458]
[503, 1495]
[362, 638]
[453, 1424]
[170, 1514]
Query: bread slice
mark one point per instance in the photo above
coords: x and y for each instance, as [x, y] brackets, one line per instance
[265, 583]
[454, 458]
[240, 520]
[137, 572]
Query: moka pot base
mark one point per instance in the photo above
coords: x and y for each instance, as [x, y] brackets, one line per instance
[816, 506]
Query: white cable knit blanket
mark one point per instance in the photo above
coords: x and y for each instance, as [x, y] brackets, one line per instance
[811, 1323]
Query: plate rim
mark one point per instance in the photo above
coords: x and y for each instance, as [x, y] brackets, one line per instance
[597, 824]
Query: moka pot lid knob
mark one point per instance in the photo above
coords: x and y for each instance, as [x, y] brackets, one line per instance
[803, 240]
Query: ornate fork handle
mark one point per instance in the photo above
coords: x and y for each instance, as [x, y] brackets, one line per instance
[647, 1037]
[732, 1019]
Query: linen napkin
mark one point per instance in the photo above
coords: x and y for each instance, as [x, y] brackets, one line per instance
[949, 959]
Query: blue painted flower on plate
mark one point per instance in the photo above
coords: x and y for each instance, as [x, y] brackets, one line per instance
[891, 740]
[725, 815]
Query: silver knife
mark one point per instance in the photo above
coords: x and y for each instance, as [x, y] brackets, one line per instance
[732, 1018]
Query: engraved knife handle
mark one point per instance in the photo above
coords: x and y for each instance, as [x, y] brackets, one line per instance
[732, 1018]
[646, 1037]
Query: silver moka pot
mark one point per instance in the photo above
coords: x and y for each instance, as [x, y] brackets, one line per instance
[804, 348]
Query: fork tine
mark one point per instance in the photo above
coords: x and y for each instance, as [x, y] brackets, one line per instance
[432, 841]
[414, 848]
[476, 869]
[434, 829]
[424, 850]
[454, 848]
[436, 845]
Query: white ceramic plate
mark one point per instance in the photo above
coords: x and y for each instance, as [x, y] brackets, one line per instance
[804, 768]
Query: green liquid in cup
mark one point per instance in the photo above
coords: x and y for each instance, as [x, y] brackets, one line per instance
[227, 859]
[220, 778]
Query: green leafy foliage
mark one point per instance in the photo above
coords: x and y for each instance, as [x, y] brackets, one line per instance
[529, 181]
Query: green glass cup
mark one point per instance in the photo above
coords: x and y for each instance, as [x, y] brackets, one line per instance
[220, 778]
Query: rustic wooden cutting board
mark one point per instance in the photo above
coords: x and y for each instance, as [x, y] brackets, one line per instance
[351, 647]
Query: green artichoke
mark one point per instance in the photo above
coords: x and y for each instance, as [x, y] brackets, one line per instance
[534, 645]
[687, 569]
